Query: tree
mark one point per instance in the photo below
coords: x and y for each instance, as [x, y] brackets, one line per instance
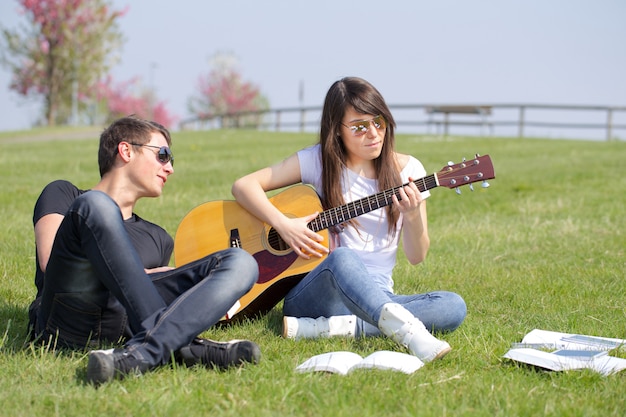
[129, 97]
[62, 53]
[223, 93]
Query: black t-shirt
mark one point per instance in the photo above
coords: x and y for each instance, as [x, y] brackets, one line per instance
[153, 244]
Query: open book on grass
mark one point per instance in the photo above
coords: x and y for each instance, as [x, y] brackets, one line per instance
[343, 362]
[565, 352]
[556, 340]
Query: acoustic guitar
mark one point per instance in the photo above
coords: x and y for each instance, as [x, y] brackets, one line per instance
[217, 225]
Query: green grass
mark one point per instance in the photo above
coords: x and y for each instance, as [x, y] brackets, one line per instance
[543, 247]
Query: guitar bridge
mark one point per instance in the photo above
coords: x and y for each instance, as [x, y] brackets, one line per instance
[235, 239]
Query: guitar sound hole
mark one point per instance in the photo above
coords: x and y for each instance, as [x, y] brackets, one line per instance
[276, 242]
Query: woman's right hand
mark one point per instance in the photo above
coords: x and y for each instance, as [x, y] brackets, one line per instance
[304, 241]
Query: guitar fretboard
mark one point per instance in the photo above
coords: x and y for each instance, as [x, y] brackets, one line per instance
[342, 214]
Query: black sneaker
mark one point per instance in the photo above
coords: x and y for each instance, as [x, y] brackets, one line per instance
[105, 365]
[220, 354]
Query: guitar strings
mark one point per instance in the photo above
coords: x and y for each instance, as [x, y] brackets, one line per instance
[338, 215]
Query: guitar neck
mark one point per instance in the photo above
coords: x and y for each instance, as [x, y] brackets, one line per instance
[334, 216]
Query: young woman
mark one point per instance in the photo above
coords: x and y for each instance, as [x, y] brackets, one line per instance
[351, 291]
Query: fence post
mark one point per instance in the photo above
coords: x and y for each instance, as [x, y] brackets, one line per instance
[302, 117]
[609, 124]
[277, 126]
[521, 122]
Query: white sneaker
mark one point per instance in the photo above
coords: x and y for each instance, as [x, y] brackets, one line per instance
[407, 330]
[309, 328]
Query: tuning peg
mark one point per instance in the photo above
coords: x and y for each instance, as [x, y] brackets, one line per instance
[450, 163]
[471, 187]
[458, 190]
[485, 184]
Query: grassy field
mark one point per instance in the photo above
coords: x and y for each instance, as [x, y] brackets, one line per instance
[543, 247]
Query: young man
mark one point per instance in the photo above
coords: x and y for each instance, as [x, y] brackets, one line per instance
[102, 273]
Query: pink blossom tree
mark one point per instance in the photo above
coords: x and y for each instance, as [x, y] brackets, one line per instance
[126, 98]
[223, 93]
[61, 53]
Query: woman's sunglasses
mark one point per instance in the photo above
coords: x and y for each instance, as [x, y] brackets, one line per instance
[360, 127]
[164, 154]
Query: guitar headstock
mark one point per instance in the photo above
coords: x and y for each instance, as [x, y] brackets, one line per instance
[467, 172]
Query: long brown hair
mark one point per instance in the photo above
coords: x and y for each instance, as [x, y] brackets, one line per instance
[364, 98]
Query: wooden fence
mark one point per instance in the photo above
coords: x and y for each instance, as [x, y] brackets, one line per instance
[515, 119]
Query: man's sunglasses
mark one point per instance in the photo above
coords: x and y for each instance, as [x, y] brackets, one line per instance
[360, 127]
[164, 154]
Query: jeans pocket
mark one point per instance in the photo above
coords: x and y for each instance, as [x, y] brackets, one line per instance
[74, 322]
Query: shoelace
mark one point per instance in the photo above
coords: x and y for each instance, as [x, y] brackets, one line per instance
[217, 354]
[127, 364]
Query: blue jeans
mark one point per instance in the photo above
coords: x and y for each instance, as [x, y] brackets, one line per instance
[94, 265]
[341, 285]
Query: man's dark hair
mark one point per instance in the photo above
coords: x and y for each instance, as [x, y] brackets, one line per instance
[127, 129]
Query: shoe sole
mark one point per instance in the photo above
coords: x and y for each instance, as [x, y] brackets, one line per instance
[443, 353]
[445, 349]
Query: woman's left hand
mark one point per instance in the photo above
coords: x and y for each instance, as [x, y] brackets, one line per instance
[410, 198]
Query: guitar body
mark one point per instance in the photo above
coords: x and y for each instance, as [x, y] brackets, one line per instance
[218, 225]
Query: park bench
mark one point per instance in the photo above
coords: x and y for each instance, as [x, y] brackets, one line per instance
[482, 111]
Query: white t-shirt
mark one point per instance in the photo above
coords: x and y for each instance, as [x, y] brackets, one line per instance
[372, 236]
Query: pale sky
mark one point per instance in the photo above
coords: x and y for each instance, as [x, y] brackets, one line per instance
[413, 51]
